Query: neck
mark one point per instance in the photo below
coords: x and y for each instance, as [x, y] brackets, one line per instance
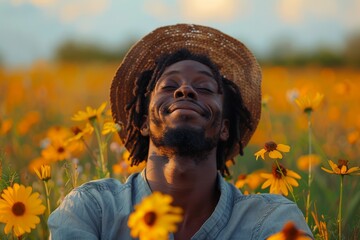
[191, 181]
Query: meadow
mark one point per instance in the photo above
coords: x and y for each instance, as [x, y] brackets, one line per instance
[43, 120]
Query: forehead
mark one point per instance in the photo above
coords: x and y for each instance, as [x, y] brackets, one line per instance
[190, 65]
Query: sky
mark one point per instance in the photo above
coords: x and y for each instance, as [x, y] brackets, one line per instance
[31, 30]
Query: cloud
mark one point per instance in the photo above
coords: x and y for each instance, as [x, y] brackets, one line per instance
[291, 11]
[203, 10]
[72, 10]
[68, 10]
[196, 10]
[351, 17]
[159, 9]
[38, 3]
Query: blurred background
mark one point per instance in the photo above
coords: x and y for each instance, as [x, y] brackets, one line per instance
[59, 56]
[279, 31]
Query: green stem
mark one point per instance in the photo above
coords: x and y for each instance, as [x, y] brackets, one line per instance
[92, 155]
[309, 170]
[340, 205]
[102, 163]
[47, 193]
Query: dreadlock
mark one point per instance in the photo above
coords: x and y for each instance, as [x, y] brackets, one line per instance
[239, 117]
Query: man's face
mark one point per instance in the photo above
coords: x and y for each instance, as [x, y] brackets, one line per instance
[186, 108]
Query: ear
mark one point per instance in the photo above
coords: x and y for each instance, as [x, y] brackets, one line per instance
[224, 131]
[144, 130]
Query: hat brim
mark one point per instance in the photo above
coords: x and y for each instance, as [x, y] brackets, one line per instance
[234, 60]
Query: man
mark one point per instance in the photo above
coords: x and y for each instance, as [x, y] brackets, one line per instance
[188, 99]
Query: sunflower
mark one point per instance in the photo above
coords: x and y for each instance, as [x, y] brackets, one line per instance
[89, 114]
[44, 173]
[303, 161]
[342, 168]
[289, 232]
[281, 180]
[19, 208]
[308, 104]
[154, 217]
[273, 150]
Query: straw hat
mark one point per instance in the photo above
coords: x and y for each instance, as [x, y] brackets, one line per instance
[234, 60]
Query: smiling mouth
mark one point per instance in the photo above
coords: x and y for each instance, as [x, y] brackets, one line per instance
[187, 106]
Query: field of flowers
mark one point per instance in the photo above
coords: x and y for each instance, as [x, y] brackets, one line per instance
[56, 133]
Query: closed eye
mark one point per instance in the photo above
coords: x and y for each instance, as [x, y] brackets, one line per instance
[169, 87]
[205, 90]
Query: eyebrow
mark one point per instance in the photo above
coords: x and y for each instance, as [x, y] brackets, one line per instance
[177, 72]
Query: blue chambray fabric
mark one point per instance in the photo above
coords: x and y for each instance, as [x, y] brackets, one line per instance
[100, 209]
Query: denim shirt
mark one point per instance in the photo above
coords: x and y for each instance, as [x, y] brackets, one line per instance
[100, 210]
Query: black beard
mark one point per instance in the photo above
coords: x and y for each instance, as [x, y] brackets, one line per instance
[185, 142]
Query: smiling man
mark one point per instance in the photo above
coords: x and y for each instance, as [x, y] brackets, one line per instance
[188, 98]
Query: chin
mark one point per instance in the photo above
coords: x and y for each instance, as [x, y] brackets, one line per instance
[185, 141]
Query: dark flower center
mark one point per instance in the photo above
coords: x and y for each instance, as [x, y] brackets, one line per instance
[92, 117]
[270, 146]
[308, 109]
[290, 231]
[242, 176]
[342, 162]
[18, 209]
[61, 149]
[76, 130]
[278, 172]
[150, 218]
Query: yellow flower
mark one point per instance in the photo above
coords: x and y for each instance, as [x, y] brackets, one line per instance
[289, 232]
[27, 122]
[5, 126]
[124, 166]
[80, 133]
[154, 217]
[110, 127]
[59, 150]
[303, 161]
[281, 180]
[265, 100]
[342, 168]
[45, 172]
[89, 113]
[308, 104]
[37, 163]
[58, 133]
[353, 137]
[273, 150]
[252, 180]
[19, 208]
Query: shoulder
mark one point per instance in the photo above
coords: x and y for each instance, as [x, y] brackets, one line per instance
[263, 198]
[106, 185]
[101, 185]
[268, 213]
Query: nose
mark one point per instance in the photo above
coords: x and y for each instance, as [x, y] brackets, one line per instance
[185, 92]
